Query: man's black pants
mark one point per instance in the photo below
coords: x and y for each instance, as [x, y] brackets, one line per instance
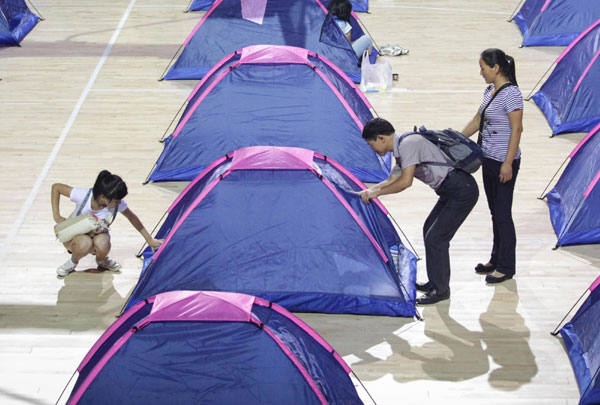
[458, 195]
[500, 198]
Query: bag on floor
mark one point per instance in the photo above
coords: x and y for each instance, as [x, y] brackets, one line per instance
[376, 76]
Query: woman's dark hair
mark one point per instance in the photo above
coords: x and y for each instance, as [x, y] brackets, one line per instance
[375, 127]
[493, 57]
[110, 186]
[342, 9]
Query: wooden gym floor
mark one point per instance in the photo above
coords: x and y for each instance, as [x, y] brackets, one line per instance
[82, 95]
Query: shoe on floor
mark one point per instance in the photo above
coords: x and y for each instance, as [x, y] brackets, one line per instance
[424, 287]
[397, 50]
[385, 51]
[483, 269]
[432, 297]
[108, 264]
[490, 279]
[392, 50]
[67, 268]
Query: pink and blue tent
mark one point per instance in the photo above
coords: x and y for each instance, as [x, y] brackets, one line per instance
[555, 22]
[582, 339]
[272, 96]
[569, 97]
[574, 202]
[230, 25]
[286, 225]
[16, 21]
[187, 347]
[361, 6]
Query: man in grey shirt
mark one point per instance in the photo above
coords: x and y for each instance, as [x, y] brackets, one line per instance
[457, 191]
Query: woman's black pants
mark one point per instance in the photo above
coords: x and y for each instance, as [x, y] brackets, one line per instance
[500, 197]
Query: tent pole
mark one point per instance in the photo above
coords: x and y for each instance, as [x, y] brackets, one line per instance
[375, 111]
[139, 254]
[36, 11]
[173, 120]
[162, 140]
[63, 391]
[555, 331]
[407, 240]
[417, 314]
[590, 384]
[147, 180]
[368, 33]
[575, 211]
[541, 78]
[364, 388]
[162, 77]
[512, 15]
[541, 197]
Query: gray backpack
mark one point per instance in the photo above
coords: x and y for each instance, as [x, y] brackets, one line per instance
[460, 152]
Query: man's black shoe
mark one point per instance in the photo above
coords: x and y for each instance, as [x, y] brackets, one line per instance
[423, 286]
[431, 297]
[483, 269]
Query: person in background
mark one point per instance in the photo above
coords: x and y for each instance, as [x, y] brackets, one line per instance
[103, 200]
[341, 10]
[499, 121]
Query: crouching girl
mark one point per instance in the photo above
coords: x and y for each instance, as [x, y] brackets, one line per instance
[104, 200]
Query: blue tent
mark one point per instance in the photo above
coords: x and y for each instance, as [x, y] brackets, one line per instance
[555, 22]
[574, 202]
[198, 5]
[569, 97]
[287, 225]
[234, 24]
[291, 97]
[188, 347]
[16, 20]
[582, 339]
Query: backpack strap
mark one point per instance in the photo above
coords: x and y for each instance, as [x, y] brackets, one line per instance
[85, 200]
[114, 215]
[482, 115]
[423, 132]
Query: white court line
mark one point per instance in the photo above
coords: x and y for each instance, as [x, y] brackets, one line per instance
[462, 10]
[394, 90]
[12, 234]
[182, 7]
[56, 30]
[143, 90]
[404, 90]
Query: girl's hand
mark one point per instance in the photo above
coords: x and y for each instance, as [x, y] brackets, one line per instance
[505, 172]
[60, 219]
[155, 243]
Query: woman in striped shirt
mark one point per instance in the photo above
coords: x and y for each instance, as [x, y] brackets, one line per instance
[499, 121]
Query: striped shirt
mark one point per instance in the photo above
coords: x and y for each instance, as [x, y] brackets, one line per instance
[496, 125]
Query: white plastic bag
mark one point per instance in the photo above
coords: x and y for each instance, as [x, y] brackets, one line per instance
[376, 76]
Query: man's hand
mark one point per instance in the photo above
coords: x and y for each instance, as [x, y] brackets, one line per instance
[367, 195]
